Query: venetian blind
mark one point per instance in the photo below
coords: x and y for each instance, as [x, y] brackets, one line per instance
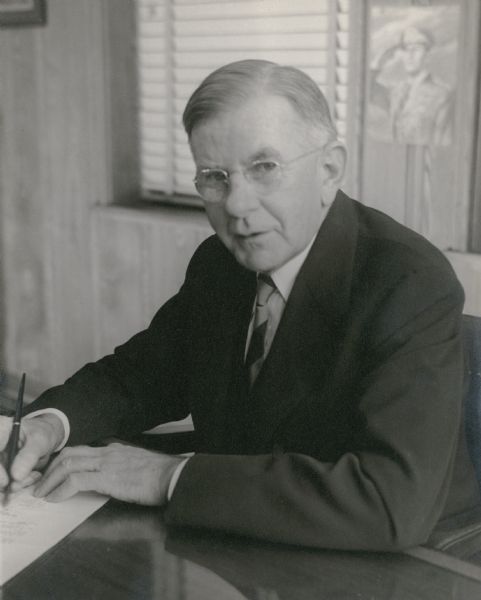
[182, 41]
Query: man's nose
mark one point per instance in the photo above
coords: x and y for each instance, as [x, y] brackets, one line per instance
[241, 197]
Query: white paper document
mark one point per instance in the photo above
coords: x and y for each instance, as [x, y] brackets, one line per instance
[29, 526]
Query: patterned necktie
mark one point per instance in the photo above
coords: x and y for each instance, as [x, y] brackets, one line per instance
[257, 347]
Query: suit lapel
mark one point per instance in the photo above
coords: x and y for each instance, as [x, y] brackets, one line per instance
[220, 365]
[310, 328]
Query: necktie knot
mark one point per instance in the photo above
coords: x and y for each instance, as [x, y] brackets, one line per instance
[259, 343]
[265, 287]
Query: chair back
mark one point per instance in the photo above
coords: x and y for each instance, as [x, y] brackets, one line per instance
[472, 406]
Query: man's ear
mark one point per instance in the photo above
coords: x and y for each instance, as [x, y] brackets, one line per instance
[332, 163]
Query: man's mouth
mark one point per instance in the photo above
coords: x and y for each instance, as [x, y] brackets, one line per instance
[249, 234]
[250, 237]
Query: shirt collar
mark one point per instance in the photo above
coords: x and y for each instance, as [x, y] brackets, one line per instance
[285, 276]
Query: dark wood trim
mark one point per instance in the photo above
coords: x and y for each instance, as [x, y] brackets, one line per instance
[36, 15]
[475, 216]
[120, 34]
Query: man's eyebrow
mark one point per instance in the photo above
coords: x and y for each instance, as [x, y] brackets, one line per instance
[263, 153]
[206, 165]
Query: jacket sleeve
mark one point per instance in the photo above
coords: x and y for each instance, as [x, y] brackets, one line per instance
[388, 490]
[142, 383]
[125, 392]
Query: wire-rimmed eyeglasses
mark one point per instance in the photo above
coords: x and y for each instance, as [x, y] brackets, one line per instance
[213, 184]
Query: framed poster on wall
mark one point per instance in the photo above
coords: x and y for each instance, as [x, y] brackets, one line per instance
[419, 114]
[412, 63]
[22, 12]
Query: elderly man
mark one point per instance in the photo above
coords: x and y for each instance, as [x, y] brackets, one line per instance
[316, 343]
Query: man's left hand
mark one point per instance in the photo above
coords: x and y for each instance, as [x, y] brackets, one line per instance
[123, 472]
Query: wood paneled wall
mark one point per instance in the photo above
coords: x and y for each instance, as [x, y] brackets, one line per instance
[53, 171]
[64, 152]
[140, 262]
[80, 276]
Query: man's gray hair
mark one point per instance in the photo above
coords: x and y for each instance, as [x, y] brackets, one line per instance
[236, 82]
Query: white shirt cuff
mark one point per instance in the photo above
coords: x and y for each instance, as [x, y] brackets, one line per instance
[58, 413]
[175, 478]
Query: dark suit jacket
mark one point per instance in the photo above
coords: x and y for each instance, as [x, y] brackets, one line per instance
[348, 438]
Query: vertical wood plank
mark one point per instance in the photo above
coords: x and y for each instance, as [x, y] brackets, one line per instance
[72, 110]
[174, 242]
[141, 258]
[121, 284]
[27, 345]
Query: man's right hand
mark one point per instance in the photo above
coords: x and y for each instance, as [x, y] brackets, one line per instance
[39, 437]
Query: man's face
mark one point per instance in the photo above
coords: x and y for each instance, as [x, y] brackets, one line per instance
[262, 228]
[414, 57]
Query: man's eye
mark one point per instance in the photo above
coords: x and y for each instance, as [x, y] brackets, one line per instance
[214, 176]
[263, 167]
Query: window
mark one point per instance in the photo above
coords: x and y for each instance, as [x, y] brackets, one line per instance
[181, 41]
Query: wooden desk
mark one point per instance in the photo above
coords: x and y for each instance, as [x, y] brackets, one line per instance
[125, 552]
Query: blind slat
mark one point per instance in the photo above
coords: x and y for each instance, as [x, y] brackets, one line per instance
[341, 128]
[154, 89]
[183, 187]
[154, 105]
[151, 74]
[265, 8]
[343, 22]
[180, 136]
[153, 148]
[185, 165]
[184, 90]
[340, 110]
[148, 29]
[153, 59]
[341, 93]
[151, 45]
[312, 23]
[301, 58]
[155, 134]
[154, 180]
[153, 162]
[193, 76]
[190, 2]
[342, 38]
[153, 12]
[291, 41]
[341, 75]
[151, 120]
[342, 57]
[182, 150]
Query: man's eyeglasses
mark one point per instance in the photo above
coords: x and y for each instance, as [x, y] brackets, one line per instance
[213, 184]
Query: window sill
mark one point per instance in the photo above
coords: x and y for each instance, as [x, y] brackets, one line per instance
[179, 210]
